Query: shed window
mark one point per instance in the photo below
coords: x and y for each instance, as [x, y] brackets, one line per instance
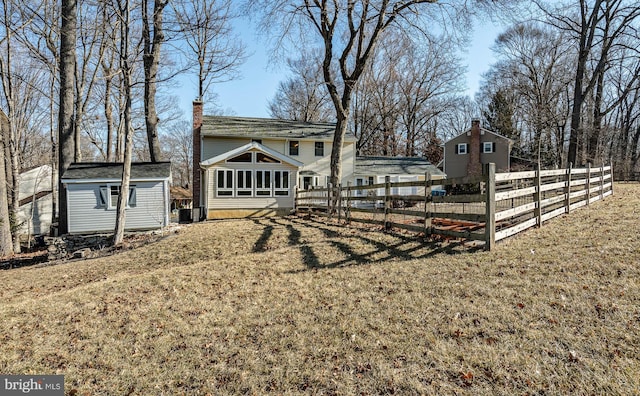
[319, 146]
[281, 183]
[224, 183]
[461, 148]
[488, 147]
[109, 196]
[294, 147]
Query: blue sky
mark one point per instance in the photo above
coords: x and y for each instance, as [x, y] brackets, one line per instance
[249, 95]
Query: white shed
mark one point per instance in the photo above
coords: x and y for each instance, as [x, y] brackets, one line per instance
[36, 201]
[93, 190]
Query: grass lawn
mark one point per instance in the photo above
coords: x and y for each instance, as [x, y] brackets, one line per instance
[288, 306]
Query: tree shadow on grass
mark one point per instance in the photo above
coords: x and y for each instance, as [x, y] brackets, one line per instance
[261, 243]
[404, 249]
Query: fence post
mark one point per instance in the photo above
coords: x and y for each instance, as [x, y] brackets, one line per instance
[602, 181]
[568, 198]
[347, 209]
[339, 202]
[537, 197]
[427, 203]
[329, 200]
[490, 214]
[588, 184]
[611, 172]
[387, 201]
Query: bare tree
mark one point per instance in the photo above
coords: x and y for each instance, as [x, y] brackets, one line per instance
[302, 97]
[178, 148]
[152, 40]
[349, 33]
[206, 29]
[125, 67]
[596, 27]
[6, 244]
[66, 141]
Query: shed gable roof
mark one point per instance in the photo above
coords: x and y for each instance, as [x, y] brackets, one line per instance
[395, 166]
[268, 128]
[113, 171]
[248, 147]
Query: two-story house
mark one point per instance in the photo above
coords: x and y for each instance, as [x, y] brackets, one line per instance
[247, 167]
[465, 154]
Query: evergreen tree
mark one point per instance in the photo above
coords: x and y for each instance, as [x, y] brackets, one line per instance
[499, 118]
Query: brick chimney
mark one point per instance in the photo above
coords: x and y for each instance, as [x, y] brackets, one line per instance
[474, 167]
[197, 141]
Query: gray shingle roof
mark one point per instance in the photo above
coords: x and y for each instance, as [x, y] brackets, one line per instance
[395, 166]
[267, 128]
[110, 170]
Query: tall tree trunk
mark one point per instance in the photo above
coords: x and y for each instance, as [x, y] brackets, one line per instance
[123, 197]
[14, 203]
[108, 115]
[66, 141]
[151, 59]
[594, 136]
[6, 244]
[54, 152]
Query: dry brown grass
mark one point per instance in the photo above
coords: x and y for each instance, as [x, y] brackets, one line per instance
[286, 306]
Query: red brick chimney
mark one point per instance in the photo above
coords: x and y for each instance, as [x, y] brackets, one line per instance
[197, 141]
[474, 167]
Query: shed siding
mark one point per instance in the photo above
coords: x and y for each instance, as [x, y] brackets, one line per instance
[41, 222]
[86, 216]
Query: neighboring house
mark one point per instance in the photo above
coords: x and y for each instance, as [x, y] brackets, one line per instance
[36, 201]
[180, 198]
[93, 190]
[246, 167]
[465, 154]
[373, 170]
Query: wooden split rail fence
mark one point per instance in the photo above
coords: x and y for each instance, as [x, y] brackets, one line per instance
[507, 203]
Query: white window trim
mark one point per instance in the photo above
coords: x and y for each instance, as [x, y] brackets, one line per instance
[249, 189]
[360, 182]
[462, 148]
[289, 148]
[253, 158]
[314, 181]
[267, 189]
[489, 145]
[281, 176]
[109, 205]
[225, 188]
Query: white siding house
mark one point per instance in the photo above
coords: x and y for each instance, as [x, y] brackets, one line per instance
[93, 190]
[246, 167]
[374, 170]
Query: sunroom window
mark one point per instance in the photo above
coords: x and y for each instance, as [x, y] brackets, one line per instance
[265, 159]
[281, 183]
[245, 157]
[263, 183]
[224, 183]
[244, 183]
